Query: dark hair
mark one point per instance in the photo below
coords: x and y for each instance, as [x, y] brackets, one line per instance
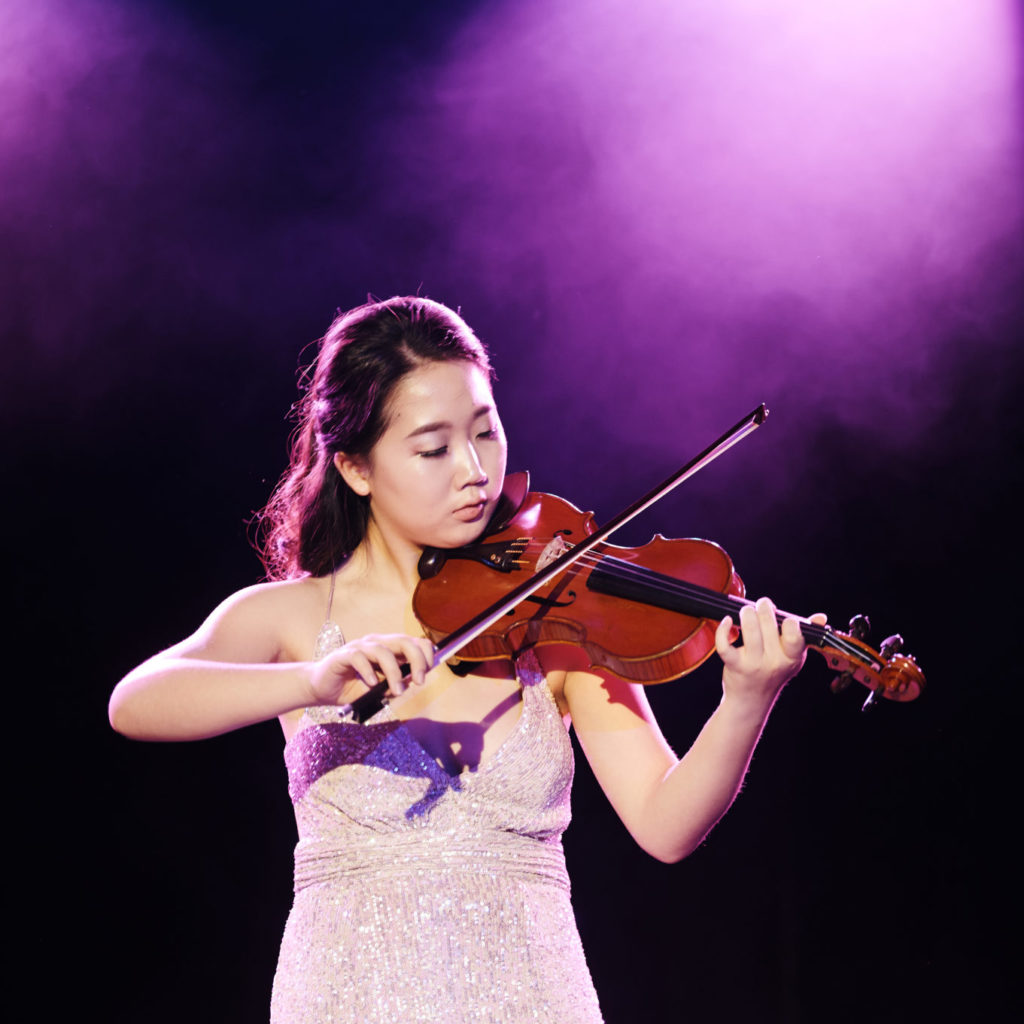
[313, 520]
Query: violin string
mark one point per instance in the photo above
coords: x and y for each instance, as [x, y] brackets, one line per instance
[727, 604]
[721, 604]
[618, 568]
[822, 636]
[711, 600]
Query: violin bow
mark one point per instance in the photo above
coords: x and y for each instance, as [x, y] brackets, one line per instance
[370, 703]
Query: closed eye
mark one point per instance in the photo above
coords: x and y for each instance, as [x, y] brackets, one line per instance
[434, 453]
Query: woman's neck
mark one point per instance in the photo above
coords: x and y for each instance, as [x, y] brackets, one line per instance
[386, 564]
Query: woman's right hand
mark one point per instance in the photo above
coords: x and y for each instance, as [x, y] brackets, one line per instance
[346, 673]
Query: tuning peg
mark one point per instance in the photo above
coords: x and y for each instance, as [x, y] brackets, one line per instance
[841, 681]
[891, 645]
[860, 627]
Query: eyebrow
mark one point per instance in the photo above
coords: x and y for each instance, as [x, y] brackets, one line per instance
[429, 428]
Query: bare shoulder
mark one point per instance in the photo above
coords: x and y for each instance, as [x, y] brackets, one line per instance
[264, 623]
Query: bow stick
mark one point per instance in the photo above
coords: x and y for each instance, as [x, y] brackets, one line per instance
[370, 702]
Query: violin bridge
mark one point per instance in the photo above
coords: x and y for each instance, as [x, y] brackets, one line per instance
[555, 548]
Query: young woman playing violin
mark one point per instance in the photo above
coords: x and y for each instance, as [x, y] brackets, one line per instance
[430, 883]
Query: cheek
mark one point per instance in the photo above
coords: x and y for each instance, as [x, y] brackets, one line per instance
[421, 485]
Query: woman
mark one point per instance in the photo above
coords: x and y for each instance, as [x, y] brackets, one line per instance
[430, 883]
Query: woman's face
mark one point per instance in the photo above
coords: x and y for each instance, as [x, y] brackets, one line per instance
[436, 473]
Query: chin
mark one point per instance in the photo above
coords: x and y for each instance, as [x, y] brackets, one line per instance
[459, 537]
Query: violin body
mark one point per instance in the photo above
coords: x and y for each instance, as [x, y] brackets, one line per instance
[645, 614]
[640, 635]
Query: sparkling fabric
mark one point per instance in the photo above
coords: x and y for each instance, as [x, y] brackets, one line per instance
[426, 897]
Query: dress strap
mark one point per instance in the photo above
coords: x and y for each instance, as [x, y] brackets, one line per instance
[330, 637]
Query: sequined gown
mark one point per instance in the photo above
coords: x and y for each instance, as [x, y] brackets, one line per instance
[426, 897]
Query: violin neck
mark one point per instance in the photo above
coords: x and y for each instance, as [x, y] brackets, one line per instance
[619, 578]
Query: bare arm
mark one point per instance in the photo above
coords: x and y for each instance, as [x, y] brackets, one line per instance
[669, 804]
[232, 672]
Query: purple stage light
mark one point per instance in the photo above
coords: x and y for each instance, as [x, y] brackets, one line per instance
[797, 202]
[705, 205]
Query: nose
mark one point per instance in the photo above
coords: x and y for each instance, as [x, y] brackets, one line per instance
[470, 470]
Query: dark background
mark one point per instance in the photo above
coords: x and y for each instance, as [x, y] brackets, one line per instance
[191, 190]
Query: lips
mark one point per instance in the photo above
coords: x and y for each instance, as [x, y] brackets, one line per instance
[471, 513]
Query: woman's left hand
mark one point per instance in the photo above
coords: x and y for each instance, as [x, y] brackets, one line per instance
[769, 656]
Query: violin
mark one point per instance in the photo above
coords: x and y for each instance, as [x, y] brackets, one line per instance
[544, 575]
[646, 614]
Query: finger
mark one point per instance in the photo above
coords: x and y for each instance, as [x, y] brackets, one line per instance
[361, 667]
[767, 618]
[415, 655]
[420, 659]
[414, 662]
[753, 630]
[723, 640]
[388, 667]
[792, 638]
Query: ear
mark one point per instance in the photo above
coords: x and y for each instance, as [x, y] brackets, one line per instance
[355, 471]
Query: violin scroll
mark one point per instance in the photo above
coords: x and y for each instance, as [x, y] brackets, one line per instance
[886, 672]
